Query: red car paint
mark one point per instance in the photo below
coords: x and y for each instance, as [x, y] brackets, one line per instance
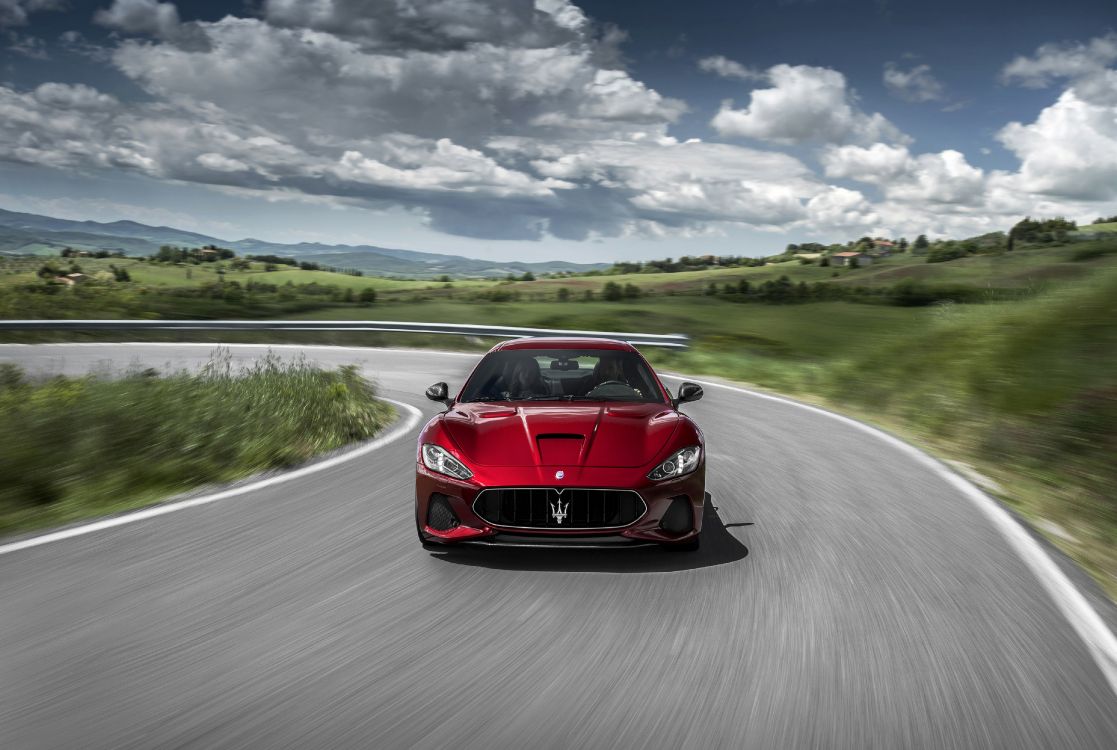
[611, 445]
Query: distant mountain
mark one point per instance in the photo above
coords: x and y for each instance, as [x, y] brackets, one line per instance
[23, 233]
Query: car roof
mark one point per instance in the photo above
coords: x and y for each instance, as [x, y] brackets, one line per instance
[563, 342]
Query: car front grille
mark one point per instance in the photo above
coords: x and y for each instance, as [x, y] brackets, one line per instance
[551, 508]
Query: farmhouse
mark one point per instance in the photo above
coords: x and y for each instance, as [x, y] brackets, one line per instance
[847, 258]
[883, 248]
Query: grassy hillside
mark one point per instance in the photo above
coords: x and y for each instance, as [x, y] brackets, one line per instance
[1107, 228]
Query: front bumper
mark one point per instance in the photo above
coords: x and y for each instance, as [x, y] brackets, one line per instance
[658, 497]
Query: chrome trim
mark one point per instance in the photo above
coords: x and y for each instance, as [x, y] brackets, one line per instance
[559, 491]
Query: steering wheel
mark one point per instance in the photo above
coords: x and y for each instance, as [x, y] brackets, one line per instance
[608, 383]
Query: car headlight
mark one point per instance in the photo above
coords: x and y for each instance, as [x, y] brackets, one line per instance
[681, 462]
[437, 458]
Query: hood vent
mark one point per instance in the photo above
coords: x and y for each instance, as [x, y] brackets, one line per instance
[560, 449]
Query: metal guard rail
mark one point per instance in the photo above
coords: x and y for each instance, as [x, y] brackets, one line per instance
[671, 340]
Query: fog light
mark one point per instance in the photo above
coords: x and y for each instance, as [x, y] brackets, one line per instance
[440, 516]
[679, 518]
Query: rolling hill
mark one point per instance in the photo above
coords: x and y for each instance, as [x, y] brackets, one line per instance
[33, 234]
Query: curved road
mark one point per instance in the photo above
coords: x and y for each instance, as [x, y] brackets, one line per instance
[846, 595]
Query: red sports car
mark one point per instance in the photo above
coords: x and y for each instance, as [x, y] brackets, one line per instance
[561, 442]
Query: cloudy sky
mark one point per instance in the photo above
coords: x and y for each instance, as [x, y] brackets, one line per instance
[540, 129]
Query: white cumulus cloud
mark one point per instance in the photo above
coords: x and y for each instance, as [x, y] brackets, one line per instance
[805, 104]
[1069, 151]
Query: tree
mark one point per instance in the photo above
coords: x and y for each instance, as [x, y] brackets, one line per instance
[367, 296]
[563, 294]
[612, 291]
[903, 245]
[711, 289]
[921, 244]
[947, 251]
[631, 291]
[743, 286]
[528, 276]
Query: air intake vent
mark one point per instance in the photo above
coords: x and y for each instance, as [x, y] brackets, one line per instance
[679, 518]
[440, 516]
[550, 508]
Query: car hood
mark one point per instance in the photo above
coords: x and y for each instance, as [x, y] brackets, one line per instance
[590, 435]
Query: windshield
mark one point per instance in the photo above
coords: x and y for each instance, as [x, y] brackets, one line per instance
[562, 375]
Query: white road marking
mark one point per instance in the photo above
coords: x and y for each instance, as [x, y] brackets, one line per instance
[1099, 639]
[409, 423]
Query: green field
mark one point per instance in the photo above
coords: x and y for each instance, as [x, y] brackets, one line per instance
[1106, 227]
[1022, 269]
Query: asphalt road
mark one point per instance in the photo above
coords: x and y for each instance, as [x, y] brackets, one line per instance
[845, 596]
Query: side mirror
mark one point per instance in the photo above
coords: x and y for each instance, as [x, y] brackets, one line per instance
[688, 392]
[439, 392]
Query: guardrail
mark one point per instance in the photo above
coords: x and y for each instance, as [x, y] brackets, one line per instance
[671, 340]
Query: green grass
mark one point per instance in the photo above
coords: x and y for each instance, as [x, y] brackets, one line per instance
[795, 331]
[71, 448]
[1024, 269]
[1107, 227]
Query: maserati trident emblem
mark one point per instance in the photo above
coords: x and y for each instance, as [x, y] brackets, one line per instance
[558, 511]
[560, 474]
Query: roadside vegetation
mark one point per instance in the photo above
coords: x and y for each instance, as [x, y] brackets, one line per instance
[74, 447]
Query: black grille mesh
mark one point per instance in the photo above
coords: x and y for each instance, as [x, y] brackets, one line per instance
[547, 508]
[439, 514]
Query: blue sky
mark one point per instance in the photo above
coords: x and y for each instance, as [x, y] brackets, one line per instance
[538, 129]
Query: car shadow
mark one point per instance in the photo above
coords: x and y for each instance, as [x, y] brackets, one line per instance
[719, 547]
